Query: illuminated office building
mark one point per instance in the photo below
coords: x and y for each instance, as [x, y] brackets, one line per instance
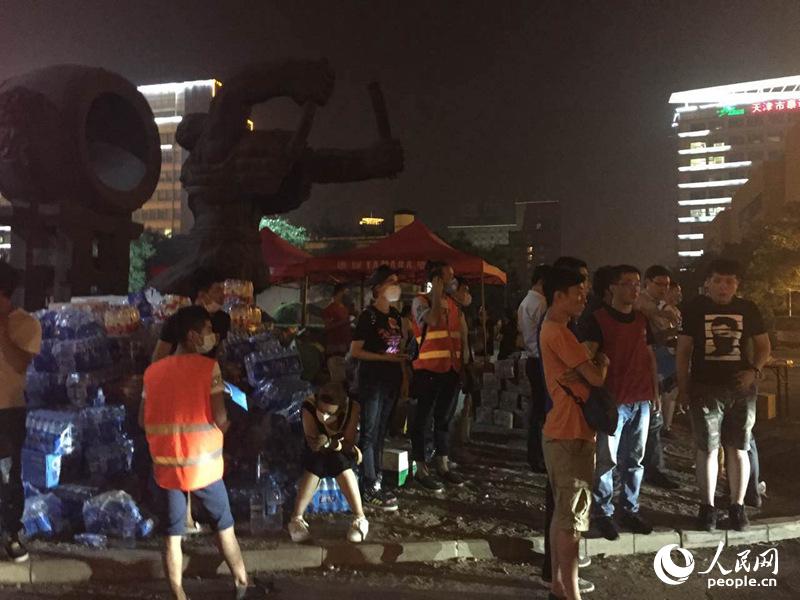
[722, 132]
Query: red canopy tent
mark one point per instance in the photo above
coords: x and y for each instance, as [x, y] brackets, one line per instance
[285, 261]
[406, 250]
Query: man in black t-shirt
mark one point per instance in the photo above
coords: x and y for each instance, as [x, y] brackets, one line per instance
[210, 294]
[722, 349]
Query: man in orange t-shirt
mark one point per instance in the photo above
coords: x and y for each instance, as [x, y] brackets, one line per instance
[568, 442]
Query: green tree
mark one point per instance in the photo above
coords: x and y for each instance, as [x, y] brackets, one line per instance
[294, 234]
[141, 250]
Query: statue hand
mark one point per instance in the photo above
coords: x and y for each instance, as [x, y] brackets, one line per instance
[385, 158]
[311, 81]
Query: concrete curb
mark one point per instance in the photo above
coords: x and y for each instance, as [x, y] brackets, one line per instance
[118, 566]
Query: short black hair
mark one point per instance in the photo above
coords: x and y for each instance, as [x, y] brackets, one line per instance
[571, 263]
[601, 280]
[724, 266]
[560, 280]
[620, 270]
[433, 269]
[657, 271]
[9, 279]
[540, 273]
[204, 279]
[339, 287]
[190, 318]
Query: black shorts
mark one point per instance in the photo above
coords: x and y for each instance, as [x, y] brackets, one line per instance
[722, 415]
[327, 464]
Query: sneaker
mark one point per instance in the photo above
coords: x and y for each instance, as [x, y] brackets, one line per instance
[379, 500]
[584, 562]
[585, 586]
[661, 480]
[707, 518]
[358, 530]
[429, 482]
[298, 530]
[16, 550]
[451, 478]
[738, 517]
[607, 528]
[635, 523]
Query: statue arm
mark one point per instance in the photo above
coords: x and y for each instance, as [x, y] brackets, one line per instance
[332, 165]
[301, 80]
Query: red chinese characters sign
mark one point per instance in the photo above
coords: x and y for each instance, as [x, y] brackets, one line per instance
[775, 105]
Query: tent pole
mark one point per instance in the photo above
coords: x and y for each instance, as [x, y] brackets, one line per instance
[483, 324]
[304, 294]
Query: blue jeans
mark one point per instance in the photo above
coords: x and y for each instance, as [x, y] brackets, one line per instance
[377, 398]
[624, 450]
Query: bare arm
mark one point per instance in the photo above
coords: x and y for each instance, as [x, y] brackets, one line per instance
[593, 373]
[656, 389]
[592, 347]
[351, 428]
[16, 357]
[219, 411]
[683, 358]
[762, 349]
[162, 350]
[314, 439]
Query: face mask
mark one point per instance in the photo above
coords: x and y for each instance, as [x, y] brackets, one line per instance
[393, 293]
[209, 341]
[324, 417]
[452, 287]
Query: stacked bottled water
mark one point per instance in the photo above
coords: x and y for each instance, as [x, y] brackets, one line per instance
[274, 372]
[116, 514]
[328, 498]
[52, 432]
[43, 516]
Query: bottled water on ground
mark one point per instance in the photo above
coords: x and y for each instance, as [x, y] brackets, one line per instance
[274, 502]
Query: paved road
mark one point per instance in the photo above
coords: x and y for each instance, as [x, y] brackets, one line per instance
[620, 578]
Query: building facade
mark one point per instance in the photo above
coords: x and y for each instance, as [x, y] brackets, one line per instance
[722, 133]
[772, 191]
[167, 211]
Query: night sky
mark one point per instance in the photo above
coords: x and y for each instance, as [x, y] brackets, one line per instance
[494, 101]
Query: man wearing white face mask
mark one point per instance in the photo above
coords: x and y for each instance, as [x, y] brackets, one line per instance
[210, 294]
[377, 345]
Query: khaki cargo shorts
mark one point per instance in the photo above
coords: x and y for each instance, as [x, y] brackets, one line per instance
[570, 468]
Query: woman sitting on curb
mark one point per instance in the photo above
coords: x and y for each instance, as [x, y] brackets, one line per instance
[330, 425]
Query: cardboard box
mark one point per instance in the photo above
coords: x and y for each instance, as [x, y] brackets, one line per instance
[490, 381]
[394, 460]
[766, 407]
[508, 403]
[504, 419]
[520, 419]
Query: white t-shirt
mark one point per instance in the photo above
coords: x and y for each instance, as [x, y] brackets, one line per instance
[26, 334]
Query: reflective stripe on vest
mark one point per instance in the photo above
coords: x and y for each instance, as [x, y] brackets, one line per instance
[188, 461]
[185, 443]
[441, 350]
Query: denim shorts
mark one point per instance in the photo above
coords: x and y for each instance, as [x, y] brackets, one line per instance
[722, 415]
[213, 501]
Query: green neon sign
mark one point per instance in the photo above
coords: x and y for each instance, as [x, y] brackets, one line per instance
[730, 111]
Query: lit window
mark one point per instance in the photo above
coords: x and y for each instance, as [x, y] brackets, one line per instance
[716, 160]
[695, 162]
[696, 145]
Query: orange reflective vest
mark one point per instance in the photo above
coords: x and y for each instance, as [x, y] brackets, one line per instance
[185, 443]
[440, 352]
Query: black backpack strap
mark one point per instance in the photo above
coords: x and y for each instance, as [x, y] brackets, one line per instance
[569, 393]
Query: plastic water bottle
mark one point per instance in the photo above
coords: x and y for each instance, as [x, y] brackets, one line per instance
[258, 522]
[274, 498]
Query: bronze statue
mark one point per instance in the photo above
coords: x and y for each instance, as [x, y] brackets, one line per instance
[234, 176]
